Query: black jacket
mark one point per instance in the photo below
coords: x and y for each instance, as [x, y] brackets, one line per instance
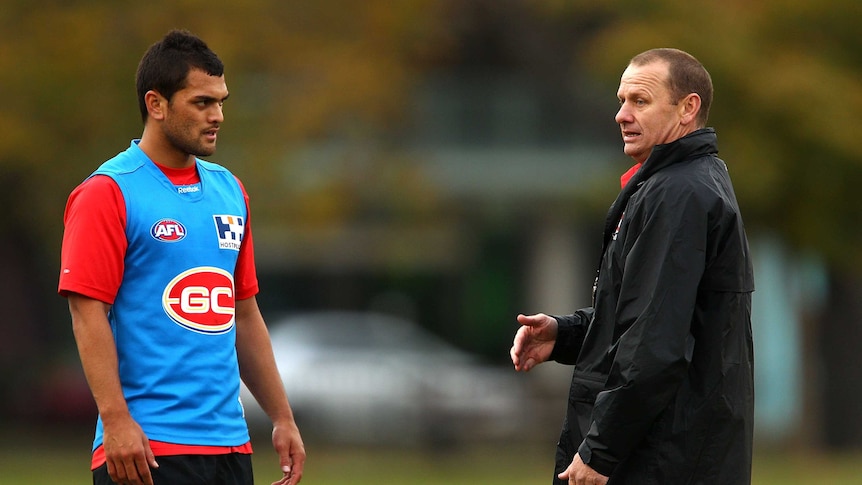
[662, 390]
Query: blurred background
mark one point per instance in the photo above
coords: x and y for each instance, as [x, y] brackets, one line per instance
[440, 166]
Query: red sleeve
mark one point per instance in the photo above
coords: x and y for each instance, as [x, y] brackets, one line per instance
[94, 244]
[245, 276]
[94, 240]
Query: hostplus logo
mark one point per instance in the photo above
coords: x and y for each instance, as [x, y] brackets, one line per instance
[230, 231]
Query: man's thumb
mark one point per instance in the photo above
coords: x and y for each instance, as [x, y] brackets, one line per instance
[529, 320]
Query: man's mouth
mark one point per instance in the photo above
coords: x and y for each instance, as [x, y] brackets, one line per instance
[630, 135]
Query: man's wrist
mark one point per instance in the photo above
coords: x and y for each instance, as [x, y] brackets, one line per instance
[595, 461]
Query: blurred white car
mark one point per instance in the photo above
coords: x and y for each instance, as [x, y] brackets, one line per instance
[369, 378]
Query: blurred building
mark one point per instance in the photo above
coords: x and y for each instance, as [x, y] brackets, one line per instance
[513, 144]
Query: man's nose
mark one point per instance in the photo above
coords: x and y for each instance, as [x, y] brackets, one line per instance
[217, 113]
[623, 115]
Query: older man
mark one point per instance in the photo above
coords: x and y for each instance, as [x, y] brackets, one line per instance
[662, 387]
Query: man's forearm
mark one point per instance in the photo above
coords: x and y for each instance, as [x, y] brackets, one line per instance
[257, 363]
[97, 350]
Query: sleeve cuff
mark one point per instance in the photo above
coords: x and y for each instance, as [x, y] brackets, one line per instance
[566, 334]
[604, 466]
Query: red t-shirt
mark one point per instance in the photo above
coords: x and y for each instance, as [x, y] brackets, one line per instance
[94, 240]
[92, 255]
[624, 178]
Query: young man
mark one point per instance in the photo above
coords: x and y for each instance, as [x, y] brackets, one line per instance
[662, 388]
[158, 268]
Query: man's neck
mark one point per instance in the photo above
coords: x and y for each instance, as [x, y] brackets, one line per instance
[163, 153]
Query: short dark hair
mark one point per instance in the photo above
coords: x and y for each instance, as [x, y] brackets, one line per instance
[166, 65]
[686, 75]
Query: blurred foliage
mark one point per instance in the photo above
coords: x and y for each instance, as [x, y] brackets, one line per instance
[321, 114]
[786, 75]
[787, 90]
[299, 71]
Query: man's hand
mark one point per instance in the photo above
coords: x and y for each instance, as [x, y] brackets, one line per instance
[534, 341]
[291, 452]
[580, 473]
[127, 452]
[259, 372]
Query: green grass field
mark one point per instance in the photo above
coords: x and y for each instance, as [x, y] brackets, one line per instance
[62, 460]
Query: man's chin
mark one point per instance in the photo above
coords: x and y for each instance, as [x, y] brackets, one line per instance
[205, 151]
[634, 153]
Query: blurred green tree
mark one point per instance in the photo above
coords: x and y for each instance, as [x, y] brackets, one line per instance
[786, 75]
[302, 70]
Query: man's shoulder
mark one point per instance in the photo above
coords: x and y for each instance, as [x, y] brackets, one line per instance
[689, 173]
[126, 161]
[215, 168]
[681, 183]
[211, 166]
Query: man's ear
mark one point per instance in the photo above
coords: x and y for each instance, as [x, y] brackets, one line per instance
[689, 107]
[156, 105]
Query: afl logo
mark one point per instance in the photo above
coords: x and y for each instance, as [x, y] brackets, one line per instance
[201, 299]
[168, 230]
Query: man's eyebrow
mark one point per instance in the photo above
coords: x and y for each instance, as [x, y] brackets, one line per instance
[206, 97]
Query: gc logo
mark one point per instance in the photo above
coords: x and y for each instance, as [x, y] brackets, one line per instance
[201, 299]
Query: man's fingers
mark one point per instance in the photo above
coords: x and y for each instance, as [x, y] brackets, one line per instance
[517, 349]
[520, 359]
[142, 469]
[128, 472]
[532, 320]
[149, 457]
[525, 320]
[282, 481]
[132, 470]
[296, 472]
[117, 473]
[513, 354]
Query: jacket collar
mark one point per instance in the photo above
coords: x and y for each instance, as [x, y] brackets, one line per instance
[695, 144]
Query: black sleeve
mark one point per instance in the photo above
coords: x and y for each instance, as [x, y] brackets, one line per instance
[570, 335]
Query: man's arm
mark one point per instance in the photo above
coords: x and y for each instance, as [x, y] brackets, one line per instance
[260, 374]
[570, 337]
[127, 448]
